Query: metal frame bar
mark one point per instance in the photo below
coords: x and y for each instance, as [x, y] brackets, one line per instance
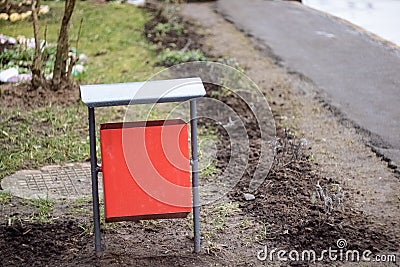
[95, 169]
[95, 181]
[195, 176]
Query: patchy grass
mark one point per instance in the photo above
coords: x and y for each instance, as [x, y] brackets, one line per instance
[111, 36]
[5, 197]
[81, 205]
[50, 135]
[221, 212]
[210, 171]
[162, 30]
[262, 232]
[217, 215]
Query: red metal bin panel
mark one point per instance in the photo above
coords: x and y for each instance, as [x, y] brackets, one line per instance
[146, 170]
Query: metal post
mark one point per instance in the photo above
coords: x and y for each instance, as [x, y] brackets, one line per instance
[95, 186]
[195, 176]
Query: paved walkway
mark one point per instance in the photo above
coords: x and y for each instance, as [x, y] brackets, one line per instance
[355, 73]
[69, 181]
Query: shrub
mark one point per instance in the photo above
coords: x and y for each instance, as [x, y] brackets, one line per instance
[163, 29]
[172, 57]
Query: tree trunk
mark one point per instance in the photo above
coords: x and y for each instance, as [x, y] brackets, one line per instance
[59, 73]
[37, 78]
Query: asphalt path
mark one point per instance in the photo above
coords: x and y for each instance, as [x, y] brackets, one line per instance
[356, 74]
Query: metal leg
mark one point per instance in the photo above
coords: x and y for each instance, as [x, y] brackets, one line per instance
[95, 186]
[195, 176]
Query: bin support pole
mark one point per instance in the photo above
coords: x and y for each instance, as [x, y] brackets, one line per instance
[95, 182]
[195, 176]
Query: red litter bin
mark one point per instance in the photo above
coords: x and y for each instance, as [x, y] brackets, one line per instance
[145, 165]
[146, 170]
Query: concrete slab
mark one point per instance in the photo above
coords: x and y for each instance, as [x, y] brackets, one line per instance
[68, 181]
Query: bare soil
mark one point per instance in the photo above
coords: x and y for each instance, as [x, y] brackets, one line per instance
[22, 95]
[286, 213]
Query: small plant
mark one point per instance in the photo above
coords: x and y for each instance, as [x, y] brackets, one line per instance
[263, 232]
[232, 62]
[152, 225]
[173, 57]
[161, 30]
[82, 201]
[332, 201]
[80, 205]
[208, 140]
[49, 57]
[45, 207]
[5, 197]
[210, 171]
[87, 229]
[21, 57]
[213, 247]
[289, 149]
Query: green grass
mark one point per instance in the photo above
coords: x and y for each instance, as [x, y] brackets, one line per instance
[118, 52]
[174, 57]
[262, 233]
[111, 37]
[50, 135]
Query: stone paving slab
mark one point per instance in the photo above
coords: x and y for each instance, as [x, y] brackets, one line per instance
[69, 181]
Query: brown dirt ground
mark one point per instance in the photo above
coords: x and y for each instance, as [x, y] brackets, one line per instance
[283, 215]
[22, 95]
[371, 213]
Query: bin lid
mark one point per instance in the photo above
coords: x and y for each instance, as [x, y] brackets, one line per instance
[176, 90]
